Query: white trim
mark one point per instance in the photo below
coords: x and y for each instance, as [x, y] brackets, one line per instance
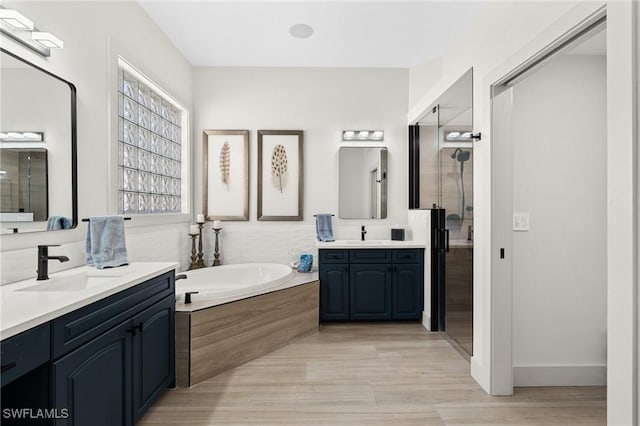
[560, 375]
[622, 213]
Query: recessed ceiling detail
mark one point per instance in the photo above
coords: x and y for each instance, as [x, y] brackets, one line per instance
[301, 31]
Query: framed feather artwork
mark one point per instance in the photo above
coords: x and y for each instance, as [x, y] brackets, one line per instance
[280, 174]
[225, 174]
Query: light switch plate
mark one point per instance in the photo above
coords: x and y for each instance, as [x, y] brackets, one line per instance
[520, 221]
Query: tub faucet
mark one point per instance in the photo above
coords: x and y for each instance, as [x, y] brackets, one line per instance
[43, 261]
[363, 232]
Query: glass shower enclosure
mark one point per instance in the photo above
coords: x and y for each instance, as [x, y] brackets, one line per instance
[443, 158]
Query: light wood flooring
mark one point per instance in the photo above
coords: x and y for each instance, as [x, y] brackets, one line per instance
[372, 374]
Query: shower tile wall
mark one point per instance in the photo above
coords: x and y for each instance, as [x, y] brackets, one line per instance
[450, 180]
[452, 189]
[459, 296]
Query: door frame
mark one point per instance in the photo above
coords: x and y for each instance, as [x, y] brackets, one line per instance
[622, 214]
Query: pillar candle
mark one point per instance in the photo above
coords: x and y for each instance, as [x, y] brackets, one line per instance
[200, 218]
[217, 224]
[193, 229]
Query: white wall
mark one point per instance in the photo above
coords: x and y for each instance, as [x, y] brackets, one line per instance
[559, 267]
[322, 103]
[95, 33]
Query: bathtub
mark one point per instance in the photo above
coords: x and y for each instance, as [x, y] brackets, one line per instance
[233, 281]
[241, 312]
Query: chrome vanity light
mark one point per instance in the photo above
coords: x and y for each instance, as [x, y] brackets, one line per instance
[19, 28]
[363, 135]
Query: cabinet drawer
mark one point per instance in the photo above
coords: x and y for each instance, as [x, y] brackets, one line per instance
[24, 352]
[334, 256]
[370, 256]
[408, 256]
[78, 327]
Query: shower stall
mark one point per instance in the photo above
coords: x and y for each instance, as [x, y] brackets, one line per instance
[441, 163]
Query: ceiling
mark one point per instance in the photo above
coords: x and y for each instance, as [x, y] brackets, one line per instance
[395, 34]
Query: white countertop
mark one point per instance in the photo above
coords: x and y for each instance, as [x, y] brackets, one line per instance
[377, 244]
[67, 291]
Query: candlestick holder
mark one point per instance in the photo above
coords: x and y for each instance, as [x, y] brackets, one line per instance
[200, 252]
[216, 249]
[194, 256]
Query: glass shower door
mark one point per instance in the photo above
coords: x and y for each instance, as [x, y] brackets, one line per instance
[455, 151]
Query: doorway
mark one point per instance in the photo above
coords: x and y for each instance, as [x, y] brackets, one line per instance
[549, 217]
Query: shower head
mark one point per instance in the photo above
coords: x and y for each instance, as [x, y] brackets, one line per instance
[461, 155]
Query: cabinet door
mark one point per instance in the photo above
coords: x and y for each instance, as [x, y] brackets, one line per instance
[94, 381]
[370, 292]
[334, 292]
[153, 354]
[408, 286]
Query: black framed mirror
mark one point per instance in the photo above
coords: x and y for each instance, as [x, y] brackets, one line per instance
[38, 148]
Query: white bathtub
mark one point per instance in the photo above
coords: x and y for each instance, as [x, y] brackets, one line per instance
[233, 282]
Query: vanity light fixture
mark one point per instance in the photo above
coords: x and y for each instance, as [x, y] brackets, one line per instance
[363, 135]
[461, 136]
[15, 20]
[21, 136]
[21, 29]
[47, 40]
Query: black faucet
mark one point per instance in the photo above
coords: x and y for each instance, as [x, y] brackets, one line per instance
[43, 261]
[363, 231]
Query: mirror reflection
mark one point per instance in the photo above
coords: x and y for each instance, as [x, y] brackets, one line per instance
[363, 183]
[37, 148]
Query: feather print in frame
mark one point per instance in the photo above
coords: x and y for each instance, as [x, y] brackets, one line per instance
[279, 166]
[225, 163]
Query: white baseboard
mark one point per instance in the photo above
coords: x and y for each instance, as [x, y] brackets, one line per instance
[426, 320]
[560, 375]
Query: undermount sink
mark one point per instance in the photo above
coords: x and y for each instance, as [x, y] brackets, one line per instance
[367, 242]
[76, 282]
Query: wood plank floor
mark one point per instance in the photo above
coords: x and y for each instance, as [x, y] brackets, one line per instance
[373, 374]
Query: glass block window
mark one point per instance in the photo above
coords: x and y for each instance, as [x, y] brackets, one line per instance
[149, 148]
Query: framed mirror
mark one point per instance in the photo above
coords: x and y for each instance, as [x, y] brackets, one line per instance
[363, 182]
[38, 174]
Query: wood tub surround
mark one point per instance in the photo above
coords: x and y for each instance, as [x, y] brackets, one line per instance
[212, 340]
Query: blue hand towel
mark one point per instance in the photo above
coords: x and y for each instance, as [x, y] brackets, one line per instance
[106, 247]
[324, 229]
[55, 223]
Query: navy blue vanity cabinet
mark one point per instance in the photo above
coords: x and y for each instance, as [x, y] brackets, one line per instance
[408, 297]
[25, 373]
[371, 284]
[370, 292]
[112, 376]
[334, 285]
[153, 354]
[93, 382]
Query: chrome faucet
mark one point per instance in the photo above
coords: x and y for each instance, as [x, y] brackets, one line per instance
[43, 261]
[363, 231]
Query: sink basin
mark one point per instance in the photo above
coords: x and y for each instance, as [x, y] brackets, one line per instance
[367, 242]
[76, 282]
